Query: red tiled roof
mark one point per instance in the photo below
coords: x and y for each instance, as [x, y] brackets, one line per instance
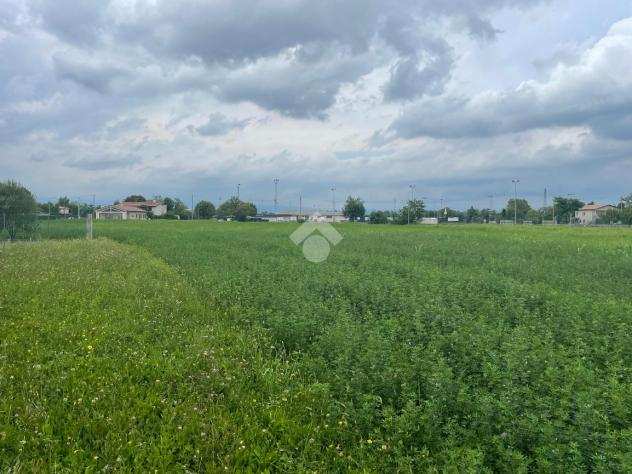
[594, 207]
[131, 206]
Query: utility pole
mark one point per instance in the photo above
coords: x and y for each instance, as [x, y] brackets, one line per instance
[300, 206]
[238, 186]
[276, 196]
[491, 207]
[515, 182]
[412, 198]
[570, 213]
[192, 207]
[333, 200]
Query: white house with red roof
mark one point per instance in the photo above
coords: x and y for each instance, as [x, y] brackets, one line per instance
[131, 210]
[590, 213]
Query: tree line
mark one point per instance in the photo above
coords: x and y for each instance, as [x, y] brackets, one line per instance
[562, 211]
[19, 211]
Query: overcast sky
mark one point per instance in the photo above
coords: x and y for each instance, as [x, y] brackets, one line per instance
[180, 97]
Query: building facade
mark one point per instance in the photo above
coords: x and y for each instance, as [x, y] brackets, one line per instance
[590, 213]
[120, 213]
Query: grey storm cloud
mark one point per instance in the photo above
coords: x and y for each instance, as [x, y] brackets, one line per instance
[101, 163]
[594, 92]
[218, 124]
[93, 90]
[98, 77]
[298, 88]
[294, 37]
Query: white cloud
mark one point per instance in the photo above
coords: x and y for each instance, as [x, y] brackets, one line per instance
[596, 92]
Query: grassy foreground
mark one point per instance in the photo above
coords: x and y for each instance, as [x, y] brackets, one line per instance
[109, 361]
[465, 348]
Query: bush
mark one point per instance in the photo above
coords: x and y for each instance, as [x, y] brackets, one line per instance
[18, 211]
[378, 217]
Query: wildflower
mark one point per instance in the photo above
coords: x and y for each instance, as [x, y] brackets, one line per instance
[369, 441]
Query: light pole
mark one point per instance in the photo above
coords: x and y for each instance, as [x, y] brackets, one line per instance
[569, 207]
[276, 200]
[238, 186]
[412, 198]
[333, 202]
[515, 182]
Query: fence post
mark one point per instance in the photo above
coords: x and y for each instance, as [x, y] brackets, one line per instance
[89, 226]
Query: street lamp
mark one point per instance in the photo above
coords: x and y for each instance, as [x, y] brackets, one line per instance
[412, 198]
[333, 201]
[276, 200]
[515, 182]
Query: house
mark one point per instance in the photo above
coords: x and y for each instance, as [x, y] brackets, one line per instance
[282, 217]
[131, 210]
[328, 217]
[429, 220]
[589, 214]
[155, 207]
[123, 211]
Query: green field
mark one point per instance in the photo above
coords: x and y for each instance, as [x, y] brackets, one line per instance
[216, 346]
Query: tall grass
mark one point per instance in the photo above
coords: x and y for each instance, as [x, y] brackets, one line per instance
[477, 347]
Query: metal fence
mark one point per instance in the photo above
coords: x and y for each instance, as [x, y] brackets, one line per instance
[37, 226]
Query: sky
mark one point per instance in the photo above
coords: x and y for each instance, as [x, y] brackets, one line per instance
[194, 99]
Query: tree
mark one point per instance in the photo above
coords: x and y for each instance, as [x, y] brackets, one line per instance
[18, 210]
[354, 209]
[565, 208]
[204, 210]
[170, 203]
[627, 200]
[473, 215]
[378, 217]
[180, 209]
[45, 207]
[135, 198]
[237, 209]
[534, 216]
[516, 208]
[411, 212]
[547, 213]
[488, 215]
[616, 216]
